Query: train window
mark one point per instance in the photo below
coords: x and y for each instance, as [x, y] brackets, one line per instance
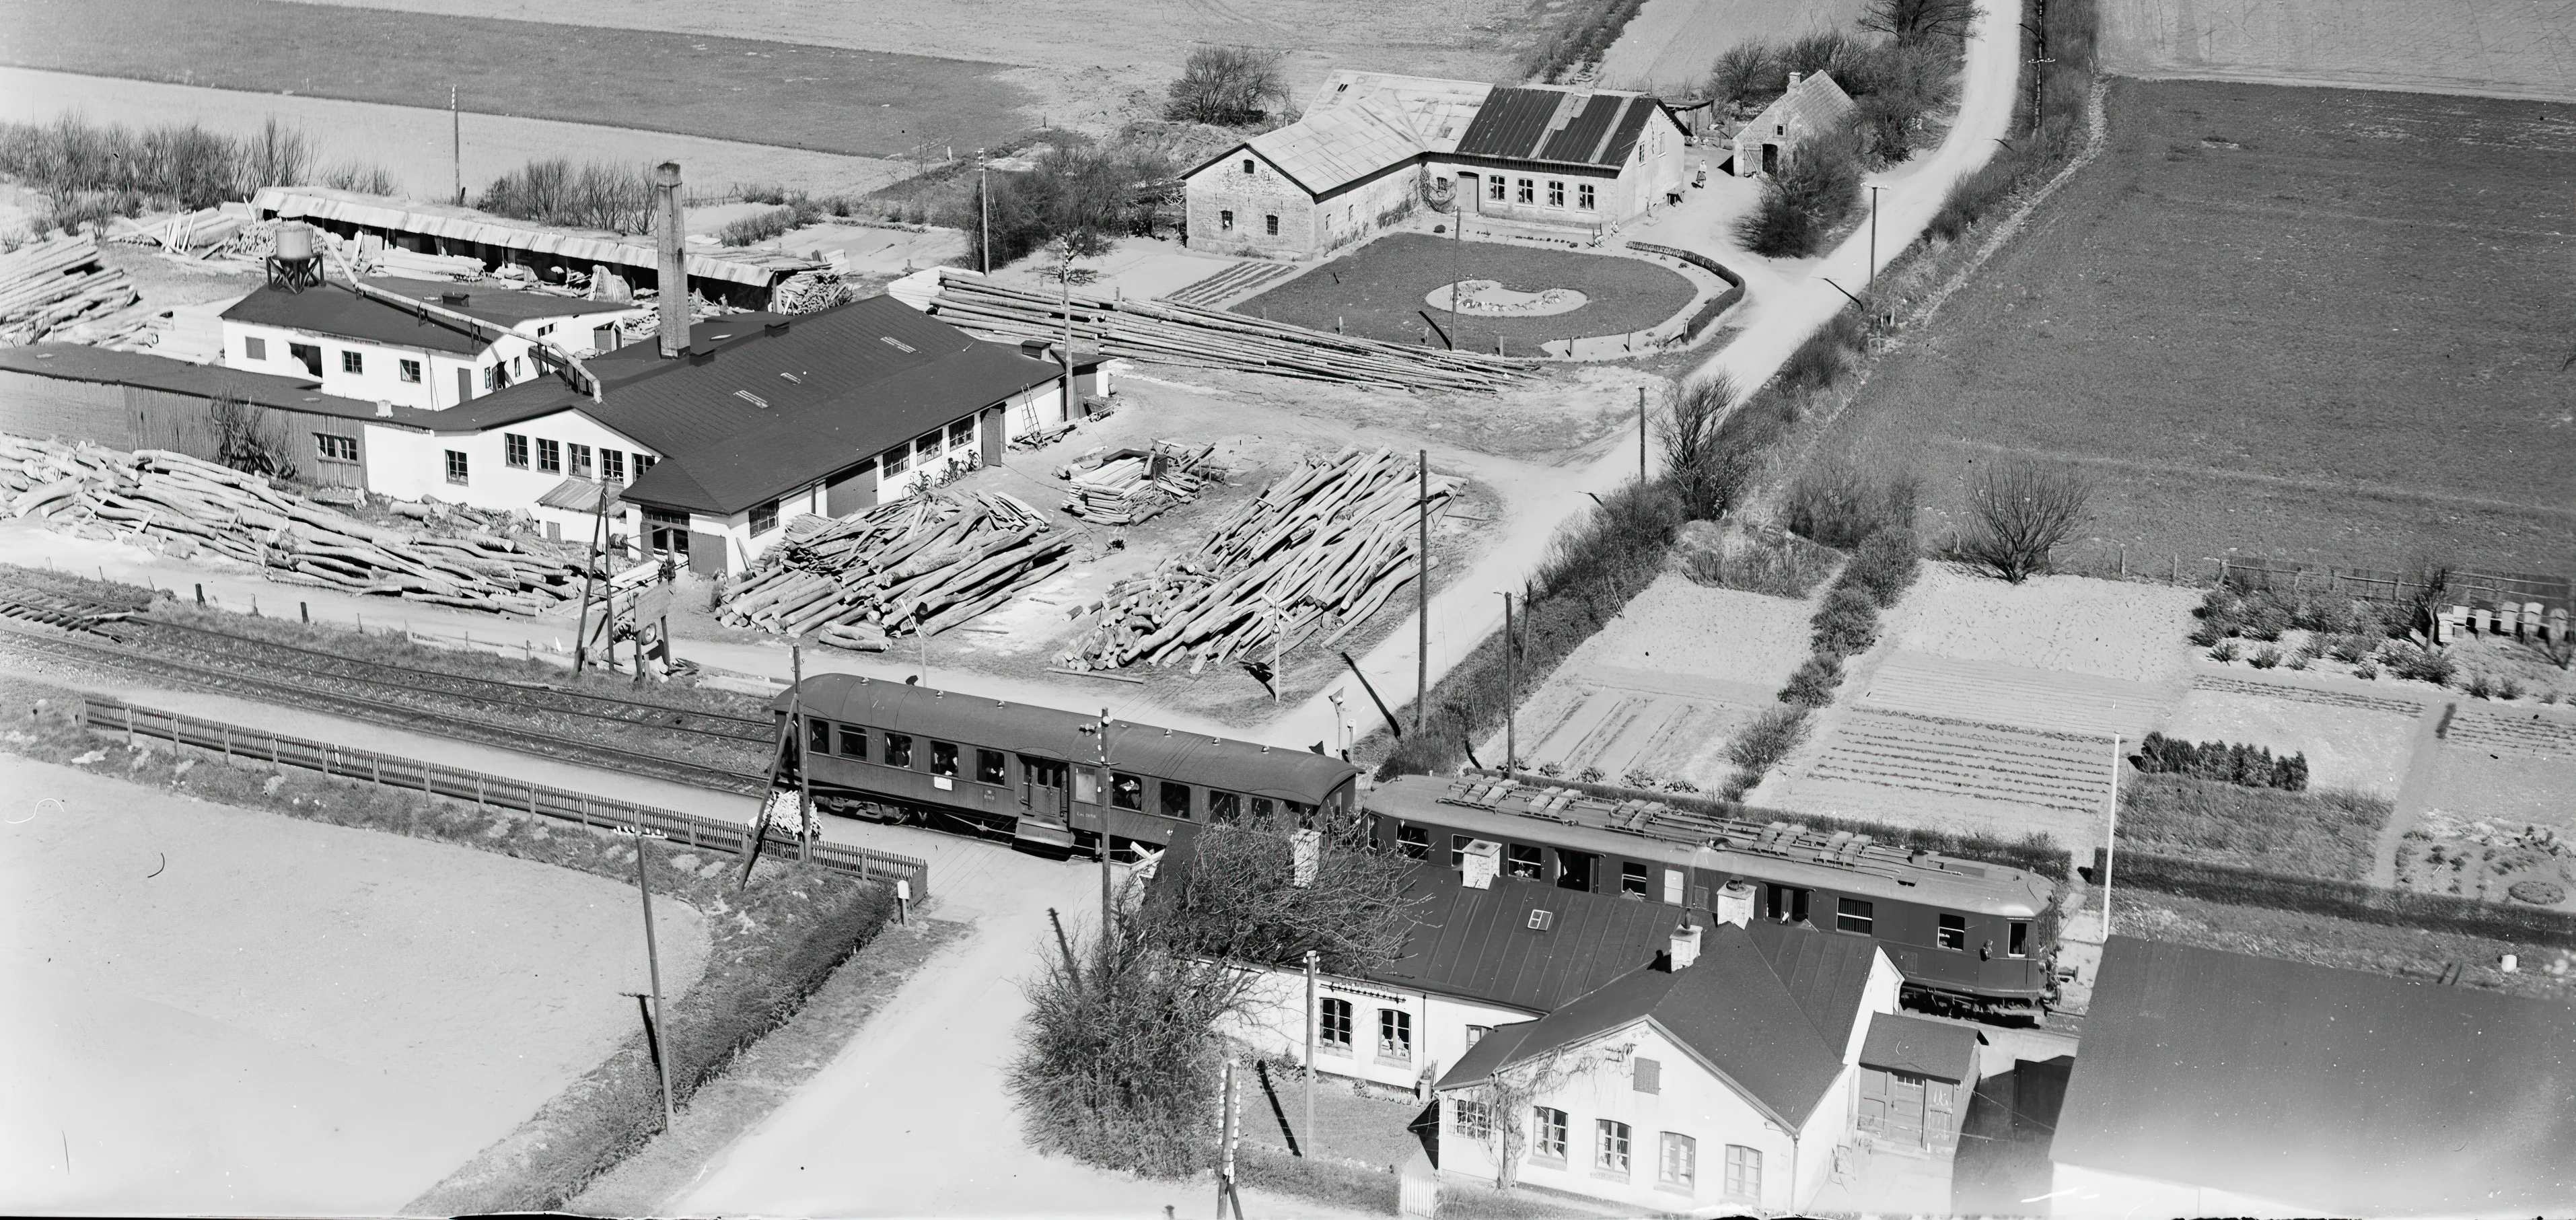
[1414, 842]
[898, 749]
[2020, 943]
[1458, 850]
[818, 735]
[854, 742]
[1673, 886]
[1632, 879]
[1224, 806]
[1574, 869]
[1086, 785]
[1176, 800]
[1126, 791]
[943, 758]
[1262, 808]
[1855, 915]
[1303, 812]
[1521, 860]
[1784, 904]
[991, 767]
[1954, 931]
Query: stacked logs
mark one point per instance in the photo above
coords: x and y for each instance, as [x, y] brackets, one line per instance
[1326, 545]
[1136, 485]
[1166, 333]
[925, 563]
[54, 284]
[175, 496]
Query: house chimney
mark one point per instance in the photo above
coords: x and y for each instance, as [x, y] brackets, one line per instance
[1735, 902]
[669, 235]
[1685, 946]
[1482, 863]
[1793, 80]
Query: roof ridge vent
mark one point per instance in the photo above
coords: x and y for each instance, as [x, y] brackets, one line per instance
[754, 399]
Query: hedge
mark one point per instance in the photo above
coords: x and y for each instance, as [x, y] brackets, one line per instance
[2340, 899]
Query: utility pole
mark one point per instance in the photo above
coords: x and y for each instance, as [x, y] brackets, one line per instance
[456, 144]
[984, 211]
[1306, 1134]
[597, 559]
[804, 753]
[2111, 841]
[1511, 691]
[1641, 436]
[1873, 235]
[653, 962]
[1231, 1124]
[1422, 587]
[2038, 27]
[1108, 788]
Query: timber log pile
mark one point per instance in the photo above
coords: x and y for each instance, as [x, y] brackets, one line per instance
[1138, 484]
[924, 563]
[1325, 545]
[174, 496]
[56, 284]
[1165, 333]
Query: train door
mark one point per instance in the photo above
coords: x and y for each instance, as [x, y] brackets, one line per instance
[1784, 903]
[1042, 789]
[1574, 869]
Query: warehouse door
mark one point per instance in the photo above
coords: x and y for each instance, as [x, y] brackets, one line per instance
[1873, 1101]
[851, 491]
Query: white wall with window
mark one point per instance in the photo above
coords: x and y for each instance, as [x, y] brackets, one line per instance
[1396, 1036]
[407, 376]
[505, 468]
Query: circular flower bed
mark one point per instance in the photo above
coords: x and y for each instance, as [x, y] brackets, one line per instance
[2538, 893]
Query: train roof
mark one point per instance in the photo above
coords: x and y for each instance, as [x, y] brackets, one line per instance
[1046, 732]
[1777, 851]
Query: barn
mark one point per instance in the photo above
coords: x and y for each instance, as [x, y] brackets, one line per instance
[1813, 106]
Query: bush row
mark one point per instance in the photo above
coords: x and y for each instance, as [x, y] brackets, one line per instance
[2032, 156]
[2352, 900]
[2243, 765]
[88, 172]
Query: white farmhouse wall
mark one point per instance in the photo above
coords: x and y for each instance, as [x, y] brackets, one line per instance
[410, 464]
[1224, 186]
[379, 378]
[1275, 1024]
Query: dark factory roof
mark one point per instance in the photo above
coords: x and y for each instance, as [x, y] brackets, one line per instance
[334, 309]
[1558, 125]
[1192, 758]
[1941, 1050]
[2339, 1091]
[1732, 1009]
[1477, 944]
[78, 362]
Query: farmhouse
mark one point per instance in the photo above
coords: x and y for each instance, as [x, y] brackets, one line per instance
[1813, 106]
[1373, 146]
[1726, 1072]
[2220, 1084]
[367, 347]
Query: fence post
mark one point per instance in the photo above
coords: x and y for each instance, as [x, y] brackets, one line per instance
[478, 792]
[228, 740]
[375, 769]
[129, 729]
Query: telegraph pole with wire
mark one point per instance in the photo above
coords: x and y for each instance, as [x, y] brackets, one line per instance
[804, 755]
[456, 144]
[2038, 27]
[1641, 436]
[1511, 691]
[1873, 236]
[984, 210]
[644, 835]
[1422, 588]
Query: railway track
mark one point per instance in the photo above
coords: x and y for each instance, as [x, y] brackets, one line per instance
[480, 710]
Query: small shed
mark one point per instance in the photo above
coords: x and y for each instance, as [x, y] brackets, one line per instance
[1915, 1079]
[1813, 106]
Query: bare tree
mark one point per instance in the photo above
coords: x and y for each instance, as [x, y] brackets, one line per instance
[1707, 473]
[1749, 70]
[2019, 513]
[248, 438]
[1227, 86]
[1910, 20]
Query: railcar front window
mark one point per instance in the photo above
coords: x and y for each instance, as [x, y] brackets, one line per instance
[898, 749]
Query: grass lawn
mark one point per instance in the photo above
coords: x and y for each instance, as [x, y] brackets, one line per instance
[1378, 290]
[2323, 832]
[2311, 324]
[829, 99]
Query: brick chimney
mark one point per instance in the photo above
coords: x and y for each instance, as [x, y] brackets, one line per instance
[1483, 862]
[1735, 902]
[1685, 946]
[669, 235]
[1793, 81]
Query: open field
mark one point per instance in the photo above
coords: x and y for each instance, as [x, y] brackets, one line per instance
[1670, 44]
[1380, 290]
[213, 1008]
[2272, 322]
[2521, 49]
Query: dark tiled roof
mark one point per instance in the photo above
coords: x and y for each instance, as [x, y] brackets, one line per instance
[1729, 1008]
[333, 309]
[1477, 944]
[2335, 1090]
[1562, 126]
[1938, 1049]
[76, 362]
[1826, 972]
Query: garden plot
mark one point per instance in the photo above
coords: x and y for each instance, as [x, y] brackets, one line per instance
[1961, 776]
[2356, 742]
[2109, 628]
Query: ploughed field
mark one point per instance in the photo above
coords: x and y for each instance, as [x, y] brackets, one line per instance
[2311, 324]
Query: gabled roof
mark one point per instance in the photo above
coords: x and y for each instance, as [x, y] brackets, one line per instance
[1729, 1009]
[1815, 103]
[1826, 973]
[1477, 944]
[99, 365]
[1439, 111]
[334, 309]
[2335, 1090]
[1361, 124]
[1941, 1050]
[1558, 125]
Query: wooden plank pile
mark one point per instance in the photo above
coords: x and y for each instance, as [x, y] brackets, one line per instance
[1136, 485]
[1328, 544]
[205, 229]
[925, 563]
[175, 496]
[1165, 333]
[53, 284]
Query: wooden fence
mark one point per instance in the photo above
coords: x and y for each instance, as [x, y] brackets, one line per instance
[2371, 584]
[107, 715]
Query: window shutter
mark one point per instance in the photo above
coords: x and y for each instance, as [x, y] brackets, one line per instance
[1649, 1076]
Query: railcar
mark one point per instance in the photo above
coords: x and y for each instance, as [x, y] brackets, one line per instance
[1047, 779]
[1970, 938]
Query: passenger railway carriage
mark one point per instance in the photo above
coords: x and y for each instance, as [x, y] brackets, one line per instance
[1968, 937]
[891, 751]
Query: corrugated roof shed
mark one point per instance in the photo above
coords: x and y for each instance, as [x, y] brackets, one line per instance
[2346, 1092]
[756, 268]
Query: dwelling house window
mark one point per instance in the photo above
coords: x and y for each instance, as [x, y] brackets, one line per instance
[854, 742]
[1527, 192]
[1547, 1133]
[335, 448]
[1855, 915]
[895, 460]
[1954, 931]
[352, 362]
[1413, 841]
[580, 460]
[612, 465]
[1610, 1146]
[898, 749]
[926, 447]
[990, 768]
[1271, 225]
[491, 379]
[1584, 197]
[310, 356]
[1679, 1163]
[1646, 1075]
[514, 450]
[1632, 879]
[764, 518]
[1472, 1120]
[409, 370]
[1555, 193]
[1779, 129]
[549, 456]
[455, 466]
[643, 463]
[1225, 220]
[1394, 1034]
[1523, 860]
[943, 758]
[1224, 806]
[1247, 165]
[1176, 800]
[1743, 1173]
[255, 348]
[1126, 791]
[1494, 188]
[1333, 1025]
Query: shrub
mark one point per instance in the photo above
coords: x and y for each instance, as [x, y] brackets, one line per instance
[1842, 506]
[2267, 623]
[2297, 661]
[2265, 657]
[1639, 778]
[2366, 671]
[1846, 623]
[1822, 357]
[1885, 566]
[1809, 196]
[2350, 649]
[1767, 740]
[2019, 514]
[752, 230]
[1747, 71]
[2227, 650]
[1813, 685]
[1911, 20]
[1551, 769]
[597, 195]
[1227, 86]
[1708, 473]
[2421, 664]
[2479, 687]
[2205, 635]
[1070, 190]
[2248, 766]
[1590, 775]
[2507, 688]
